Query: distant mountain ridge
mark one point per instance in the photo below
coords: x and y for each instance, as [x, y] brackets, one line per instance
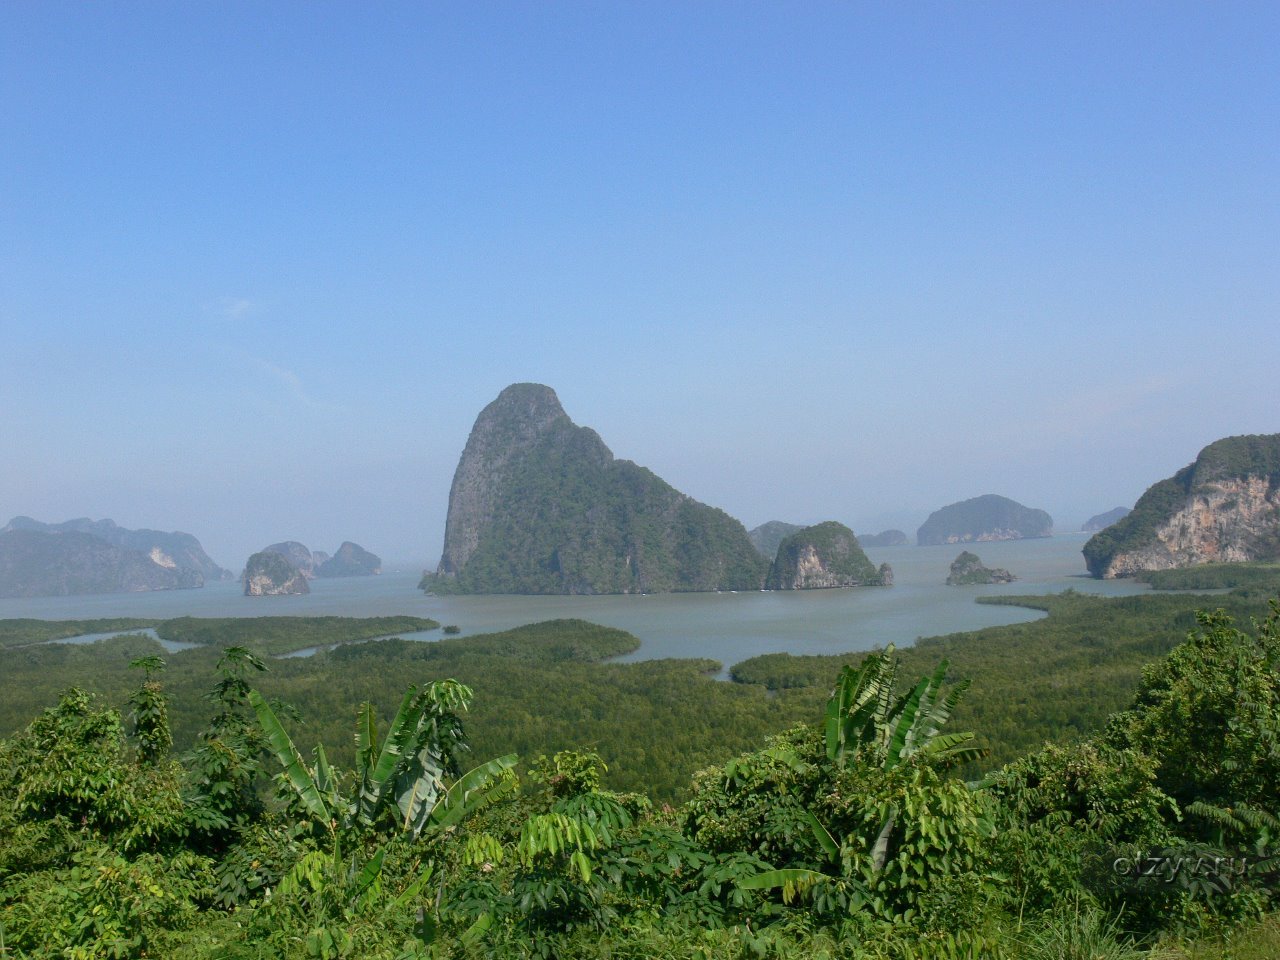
[350, 560]
[1224, 507]
[175, 549]
[1104, 520]
[886, 538]
[539, 505]
[34, 563]
[768, 536]
[981, 519]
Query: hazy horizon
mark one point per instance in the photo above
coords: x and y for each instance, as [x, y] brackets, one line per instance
[263, 266]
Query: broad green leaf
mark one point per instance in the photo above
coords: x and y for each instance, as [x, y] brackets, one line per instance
[380, 778]
[793, 881]
[472, 936]
[898, 742]
[295, 770]
[371, 871]
[473, 790]
[824, 838]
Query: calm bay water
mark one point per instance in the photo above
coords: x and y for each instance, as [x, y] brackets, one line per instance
[727, 627]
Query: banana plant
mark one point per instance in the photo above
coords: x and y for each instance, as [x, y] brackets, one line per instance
[868, 723]
[400, 781]
[863, 716]
[405, 770]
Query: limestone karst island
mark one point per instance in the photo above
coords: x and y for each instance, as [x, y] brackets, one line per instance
[540, 505]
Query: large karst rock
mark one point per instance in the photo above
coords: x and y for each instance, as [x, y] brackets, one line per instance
[822, 556]
[173, 550]
[271, 574]
[1223, 508]
[981, 519]
[540, 505]
[36, 563]
[351, 560]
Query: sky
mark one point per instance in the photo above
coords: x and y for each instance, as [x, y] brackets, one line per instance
[261, 265]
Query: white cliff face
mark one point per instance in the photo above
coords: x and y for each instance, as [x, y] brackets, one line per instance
[812, 573]
[1220, 523]
[159, 556]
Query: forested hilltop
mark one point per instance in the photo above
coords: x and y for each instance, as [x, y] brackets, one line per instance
[1224, 507]
[984, 518]
[149, 824]
[539, 505]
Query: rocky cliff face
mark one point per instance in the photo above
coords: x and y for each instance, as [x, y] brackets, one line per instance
[982, 519]
[35, 563]
[1224, 508]
[823, 556]
[270, 574]
[506, 431]
[540, 505]
[968, 568]
[351, 560]
[175, 550]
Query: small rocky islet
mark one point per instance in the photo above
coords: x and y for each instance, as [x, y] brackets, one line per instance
[968, 569]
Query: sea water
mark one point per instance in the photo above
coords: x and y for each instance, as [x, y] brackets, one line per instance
[728, 627]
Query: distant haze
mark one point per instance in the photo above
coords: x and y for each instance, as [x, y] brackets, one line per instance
[263, 265]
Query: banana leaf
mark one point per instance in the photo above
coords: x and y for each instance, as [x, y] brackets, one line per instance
[294, 769]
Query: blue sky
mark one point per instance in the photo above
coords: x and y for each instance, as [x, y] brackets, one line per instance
[262, 264]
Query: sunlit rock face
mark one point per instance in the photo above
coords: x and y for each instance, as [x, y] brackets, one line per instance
[270, 574]
[1223, 508]
[823, 556]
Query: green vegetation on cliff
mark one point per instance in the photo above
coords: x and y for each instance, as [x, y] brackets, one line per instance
[539, 505]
